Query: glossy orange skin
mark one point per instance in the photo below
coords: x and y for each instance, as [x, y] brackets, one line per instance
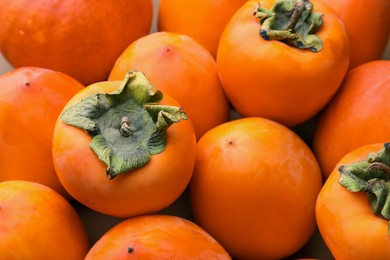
[254, 188]
[38, 223]
[157, 237]
[356, 116]
[367, 25]
[79, 37]
[181, 67]
[273, 80]
[31, 99]
[202, 20]
[346, 223]
[147, 189]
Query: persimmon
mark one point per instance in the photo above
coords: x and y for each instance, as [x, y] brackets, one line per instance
[254, 188]
[157, 237]
[203, 20]
[369, 36]
[31, 100]
[287, 72]
[38, 223]
[181, 67]
[356, 116]
[78, 37]
[349, 220]
[122, 148]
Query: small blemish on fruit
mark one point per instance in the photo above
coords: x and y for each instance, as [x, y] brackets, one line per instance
[230, 142]
[27, 83]
[130, 250]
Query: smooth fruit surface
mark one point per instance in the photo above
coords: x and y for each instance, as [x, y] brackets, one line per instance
[81, 38]
[202, 20]
[157, 237]
[31, 99]
[356, 116]
[254, 188]
[38, 223]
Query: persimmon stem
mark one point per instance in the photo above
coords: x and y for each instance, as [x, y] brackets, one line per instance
[378, 166]
[296, 15]
[126, 128]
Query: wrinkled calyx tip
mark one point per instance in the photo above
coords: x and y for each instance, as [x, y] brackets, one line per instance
[371, 176]
[291, 22]
[127, 126]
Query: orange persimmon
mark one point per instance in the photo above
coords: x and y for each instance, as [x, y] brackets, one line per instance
[356, 116]
[31, 100]
[287, 80]
[120, 151]
[254, 188]
[202, 20]
[350, 222]
[368, 27]
[157, 237]
[78, 37]
[182, 68]
[38, 223]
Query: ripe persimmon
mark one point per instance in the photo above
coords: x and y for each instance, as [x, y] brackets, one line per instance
[157, 237]
[31, 100]
[350, 204]
[121, 150]
[368, 37]
[254, 188]
[285, 70]
[78, 37]
[182, 68]
[356, 116]
[38, 223]
[202, 20]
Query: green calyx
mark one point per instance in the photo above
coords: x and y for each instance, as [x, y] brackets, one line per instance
[127, 126]
[292, 22]
[371, 176]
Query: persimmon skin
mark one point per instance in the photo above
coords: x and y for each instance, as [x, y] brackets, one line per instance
[273, 80]
[81, 38]
[369, 36]
[356, 116]
[147, 189]
[182, 68]
[345, 221]
[31, 100]
[203, 20]
[38, 223]
[248, 174]
[157, 237]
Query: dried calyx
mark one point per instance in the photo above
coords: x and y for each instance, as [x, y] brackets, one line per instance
[292, 22]
[371, 176]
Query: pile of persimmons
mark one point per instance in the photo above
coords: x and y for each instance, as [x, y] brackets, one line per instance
[235, 130]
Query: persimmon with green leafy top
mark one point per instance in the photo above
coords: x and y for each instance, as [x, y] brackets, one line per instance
[352, 207]
[137, 153]
[283, 60]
